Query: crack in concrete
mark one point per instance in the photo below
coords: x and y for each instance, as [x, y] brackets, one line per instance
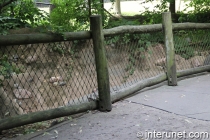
[168, 111]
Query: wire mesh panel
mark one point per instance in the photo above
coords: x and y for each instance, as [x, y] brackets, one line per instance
[134, 57]
[38, 77]
[192, 48]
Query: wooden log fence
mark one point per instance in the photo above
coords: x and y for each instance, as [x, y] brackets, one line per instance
[98, 34]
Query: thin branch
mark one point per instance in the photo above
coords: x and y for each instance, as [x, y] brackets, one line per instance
[110, 14]
[6, 3]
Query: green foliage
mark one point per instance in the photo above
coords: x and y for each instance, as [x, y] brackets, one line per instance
[7, 23]
[200, 12]
[21, 13]
[155, 16]
[120, 22]
[199, 5]
[7, 68]
[181, 45]
[64, 17]
[29, 14]
[184, 51]
[187, 42]
[73, 15]
[57, 47]
[137, 45]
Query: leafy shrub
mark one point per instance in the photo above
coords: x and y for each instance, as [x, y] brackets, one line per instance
[7, 23]
[21, 13]
[73, 15]
[26, 11]
[7, 68]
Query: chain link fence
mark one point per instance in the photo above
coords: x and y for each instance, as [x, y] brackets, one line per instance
[192, 48]
[134, 57]
[50, 77]
[36, 77]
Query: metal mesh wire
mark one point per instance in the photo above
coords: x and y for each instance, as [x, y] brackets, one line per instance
[37, 77]
[192, 48]
[134, 57]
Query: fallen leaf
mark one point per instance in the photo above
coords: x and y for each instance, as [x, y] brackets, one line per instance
[46, 133]
[54, 137]
[56, 132]
[80, 131]
[137, 125]
[182, 95]
[7, 113]
[188, 121]
[73, 124]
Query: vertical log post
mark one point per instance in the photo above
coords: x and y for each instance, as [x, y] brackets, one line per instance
[170, 52]
[101, 63]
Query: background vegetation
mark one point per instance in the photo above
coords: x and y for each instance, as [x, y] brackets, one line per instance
[73, 15]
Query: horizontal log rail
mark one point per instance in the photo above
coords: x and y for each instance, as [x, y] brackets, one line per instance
[19, 39]
[132, 29]
[185, 26]
[20, 120]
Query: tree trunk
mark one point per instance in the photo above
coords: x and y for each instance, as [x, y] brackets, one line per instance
[117, 7]
[172, 9]
[89, 8]
[102, 12]
[180, 2]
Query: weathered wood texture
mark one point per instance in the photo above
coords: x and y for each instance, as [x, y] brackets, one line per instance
[138, 86]
[20, 120]
[170, 52]
[132, 29]
[196, 70]
[101, 63]
[185, 26]
[19, 39]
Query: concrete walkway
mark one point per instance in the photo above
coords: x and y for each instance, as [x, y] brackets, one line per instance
[181, 109]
